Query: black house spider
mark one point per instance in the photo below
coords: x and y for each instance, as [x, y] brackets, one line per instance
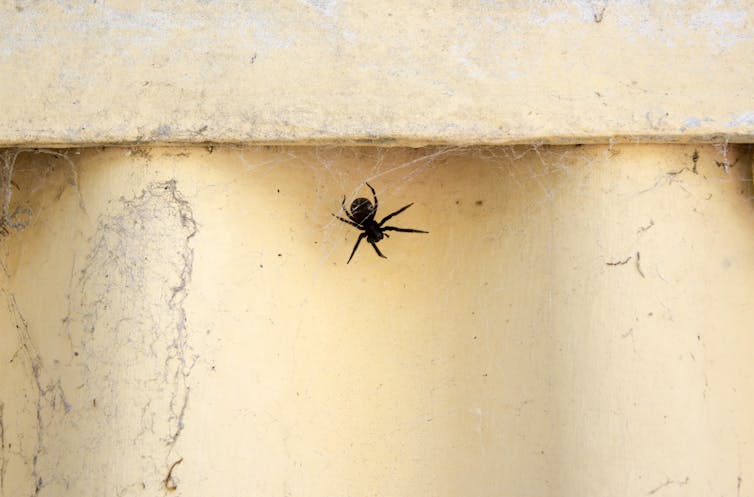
[362, 218]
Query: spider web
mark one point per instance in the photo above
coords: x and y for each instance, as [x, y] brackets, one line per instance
[259, 221]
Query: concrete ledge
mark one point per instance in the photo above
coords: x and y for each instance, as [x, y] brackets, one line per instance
[382, 73]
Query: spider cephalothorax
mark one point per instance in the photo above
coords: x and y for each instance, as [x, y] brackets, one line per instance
[361, 217]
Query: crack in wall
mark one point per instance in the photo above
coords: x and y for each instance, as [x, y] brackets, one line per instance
[668, 482]
[50, 396]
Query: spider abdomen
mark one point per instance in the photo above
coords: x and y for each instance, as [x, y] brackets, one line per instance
[362, 210]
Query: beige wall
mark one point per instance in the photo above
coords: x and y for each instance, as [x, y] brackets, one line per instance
[577, 321]
[389, 72]
[164, 304]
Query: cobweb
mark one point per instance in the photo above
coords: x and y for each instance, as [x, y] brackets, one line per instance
[457, 193]
[348, 169]
[535, 174]
[339, 172]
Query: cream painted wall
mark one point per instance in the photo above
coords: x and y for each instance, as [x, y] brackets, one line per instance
[577, 322]
[182, 321]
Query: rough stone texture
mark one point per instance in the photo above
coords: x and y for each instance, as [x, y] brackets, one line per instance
[398, 72]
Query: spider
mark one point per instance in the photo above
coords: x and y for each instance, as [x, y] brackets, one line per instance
[362, 218]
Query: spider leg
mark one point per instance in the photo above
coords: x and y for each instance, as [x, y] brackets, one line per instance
[361, 237]
[343, 206]
[405, 230]
[346, 221]
[384, 220]
[374, 195]
[378, 250]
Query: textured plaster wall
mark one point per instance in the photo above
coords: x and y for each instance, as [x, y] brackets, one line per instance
[182, 321]
[577, 322]
[390, 72]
